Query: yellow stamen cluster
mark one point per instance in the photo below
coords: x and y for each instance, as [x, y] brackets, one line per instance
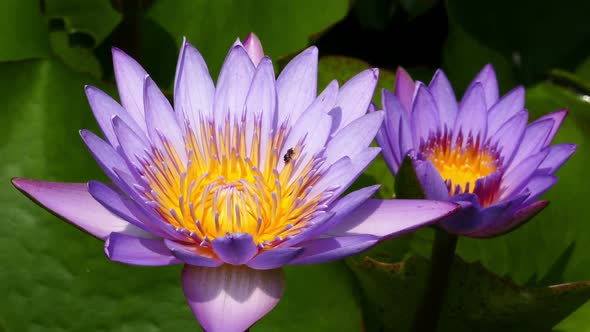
[460, 164]
[233, 185]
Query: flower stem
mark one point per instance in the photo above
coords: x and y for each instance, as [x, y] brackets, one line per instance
[441, 261]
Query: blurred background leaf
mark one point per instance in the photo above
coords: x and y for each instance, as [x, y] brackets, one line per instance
[49, 49]
[284, 26]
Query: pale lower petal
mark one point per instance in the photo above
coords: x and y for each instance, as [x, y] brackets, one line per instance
[231, 298]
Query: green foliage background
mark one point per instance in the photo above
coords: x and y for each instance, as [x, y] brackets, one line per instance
[55, 278]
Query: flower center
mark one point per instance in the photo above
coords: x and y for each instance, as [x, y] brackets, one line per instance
[466, 165]
[234, 182]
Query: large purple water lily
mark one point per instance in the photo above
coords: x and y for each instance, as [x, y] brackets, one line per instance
[479, 153]
[236, 181]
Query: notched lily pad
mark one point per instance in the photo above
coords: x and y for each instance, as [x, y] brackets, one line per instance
[477, 299]
[88, 22]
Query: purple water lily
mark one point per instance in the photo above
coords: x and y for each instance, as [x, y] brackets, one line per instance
[236, 181]
[479, 153]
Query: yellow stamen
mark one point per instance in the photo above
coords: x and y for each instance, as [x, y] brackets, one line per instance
[461, 164]
[221, 190]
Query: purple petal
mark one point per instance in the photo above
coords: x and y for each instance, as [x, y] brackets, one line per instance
[390, 149]
[508, 138]
[337, 212]
[105, 155]
[254, 48]
[472, 116]
[532, 141]
[274, 258]
[231, 298]
[193, 87]
[235, 249]
[537, 186]
[517, 177]
[557, 156]
[492, 216]
[261, 105]
[297, 85]
[333, 248]
[432, 183]
[505, 108]
[105, 108]
[396, 129]
[233, 85]
[191, 254]
[487, 78]
[326, 102]
[557, 118]
[354, 138]
[404, 88]
[341, 174]
[132, 146]
[466, 217]
[445, 99]
[518, 219]
[425, 118]
[406, 143]
[386, 150]
[332, 176]
[129, 76]
[72, 202]
[390, 218]
[123, 208]
[355, 96]
[132, 250]
[312, 129]
[161, 121]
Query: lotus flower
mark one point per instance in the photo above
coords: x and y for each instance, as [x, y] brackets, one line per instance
[236, 181]
[479, 153]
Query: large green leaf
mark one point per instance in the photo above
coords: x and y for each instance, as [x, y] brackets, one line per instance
[69, 29]
[56, 277]
[477, 299]
[212, 26]
[24, 32]
[95, 18]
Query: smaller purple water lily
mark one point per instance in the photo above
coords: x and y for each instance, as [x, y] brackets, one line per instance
[236, 181]
[479, 153]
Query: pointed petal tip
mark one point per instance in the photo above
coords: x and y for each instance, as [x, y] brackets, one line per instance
[402, 72]
[18, 182]
[235, 248]
[375, 73]
[118, 53]
[313, 50]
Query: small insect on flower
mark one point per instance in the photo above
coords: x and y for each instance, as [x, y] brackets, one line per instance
[288, 156]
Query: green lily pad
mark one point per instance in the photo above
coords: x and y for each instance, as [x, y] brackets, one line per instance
[25, 32]
[95, 18]
[477, 299]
